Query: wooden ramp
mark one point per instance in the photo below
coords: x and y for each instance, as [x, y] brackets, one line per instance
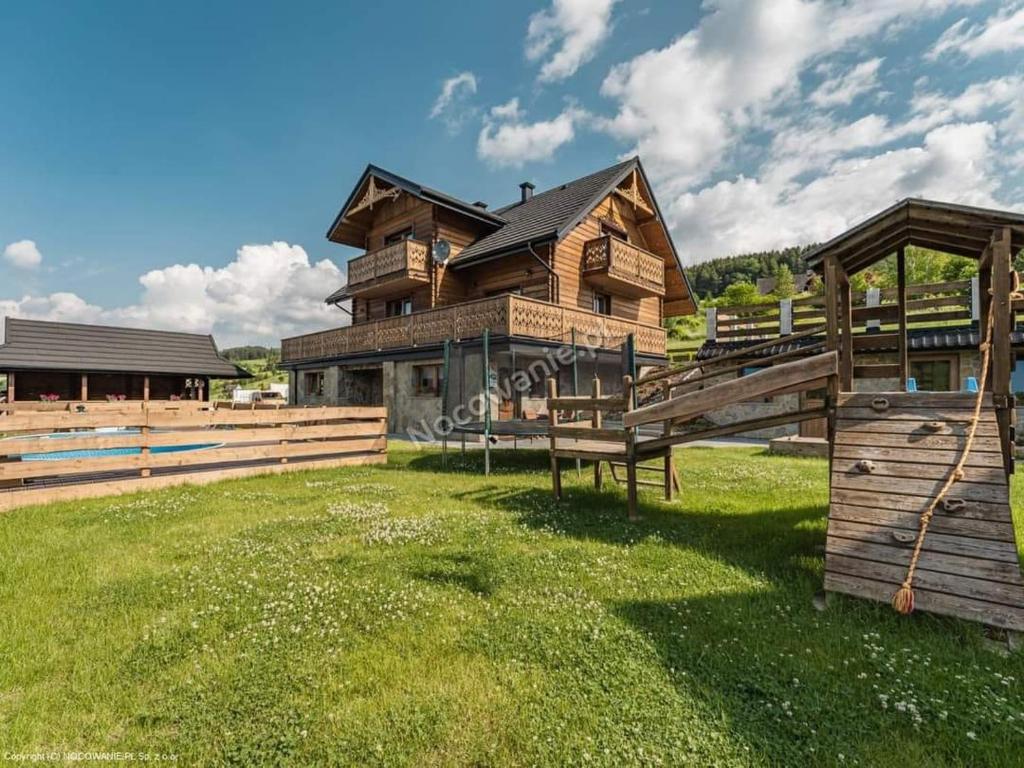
[891, 454]
[628, 446]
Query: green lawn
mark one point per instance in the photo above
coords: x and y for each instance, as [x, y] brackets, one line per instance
[404, 615]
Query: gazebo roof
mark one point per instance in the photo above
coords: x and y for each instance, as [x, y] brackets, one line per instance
[962, 230]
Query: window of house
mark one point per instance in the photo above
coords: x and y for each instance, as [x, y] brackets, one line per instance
[613, 229]
[936, 374]
[426, 380]
[314, 381]
[602, 303]
[398, 307]
[399, 236]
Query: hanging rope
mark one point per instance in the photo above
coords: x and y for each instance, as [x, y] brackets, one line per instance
[903, 600]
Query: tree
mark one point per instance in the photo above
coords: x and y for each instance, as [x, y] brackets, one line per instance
[741, 292]
[784, 286]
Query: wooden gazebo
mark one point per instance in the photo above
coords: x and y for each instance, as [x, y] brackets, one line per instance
[893, 454]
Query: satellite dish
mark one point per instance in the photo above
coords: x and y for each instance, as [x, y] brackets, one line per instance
[441, 251]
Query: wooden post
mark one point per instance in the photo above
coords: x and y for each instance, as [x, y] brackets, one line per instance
[669, 462]
[1002, 354]
[985, 297]
[556, 477]
[901, 310]
[598, 423]
[84, 394]
[631, 489]
[711, 314]
[10, 387]
[846, 340]
[832, 342]
[785, 317]
[145, 388]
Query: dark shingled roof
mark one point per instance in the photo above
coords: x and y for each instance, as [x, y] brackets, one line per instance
[918, 340]
[547, 215]
[41, 345]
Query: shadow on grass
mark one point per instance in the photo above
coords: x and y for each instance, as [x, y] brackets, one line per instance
[463, 571]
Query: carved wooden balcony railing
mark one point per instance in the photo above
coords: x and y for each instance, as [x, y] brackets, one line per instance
[391, 269]
[503, 315]
[620, 267]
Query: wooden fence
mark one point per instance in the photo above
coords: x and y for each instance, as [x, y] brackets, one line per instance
[949, 303]
[99, 449]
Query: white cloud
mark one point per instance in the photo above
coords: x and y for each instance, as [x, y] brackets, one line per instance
[686, 106]
[952, 163]
[23, 254]
[451, 103]
[267, 292]
[568, 35]
[844, 88]
[507, 140]
[1001, 32]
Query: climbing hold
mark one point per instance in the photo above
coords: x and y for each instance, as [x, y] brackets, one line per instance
[934, 426]
[953, 506]
[880, 404]
[866, 465]
[904, 537]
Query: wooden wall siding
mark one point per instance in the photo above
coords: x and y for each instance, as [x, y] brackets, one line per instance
[510, 273]
[969, 565]
[504, 315]
[394, 216]
[257, 441]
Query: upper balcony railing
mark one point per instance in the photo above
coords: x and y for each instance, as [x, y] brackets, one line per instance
[394, 267]
[623, 268]
[506, 315]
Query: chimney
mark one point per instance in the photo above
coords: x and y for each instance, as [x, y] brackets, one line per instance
[527, 191]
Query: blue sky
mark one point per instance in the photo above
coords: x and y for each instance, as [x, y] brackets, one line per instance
[177, 165]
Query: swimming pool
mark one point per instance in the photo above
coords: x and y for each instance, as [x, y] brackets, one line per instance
[95, 453]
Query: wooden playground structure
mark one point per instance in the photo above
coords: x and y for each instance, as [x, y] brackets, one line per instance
[919, 511]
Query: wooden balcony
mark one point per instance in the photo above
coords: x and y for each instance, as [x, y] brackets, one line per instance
[504, 315]
[392, 269]
[619, 267]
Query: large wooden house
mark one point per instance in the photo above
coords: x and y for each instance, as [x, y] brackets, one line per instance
[590, 260]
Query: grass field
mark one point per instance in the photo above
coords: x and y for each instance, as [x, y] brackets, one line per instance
[403, 615]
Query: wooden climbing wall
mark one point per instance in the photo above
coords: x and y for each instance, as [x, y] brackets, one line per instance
[969, 567]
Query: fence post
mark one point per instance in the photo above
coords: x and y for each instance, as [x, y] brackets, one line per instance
[975, 300]
[873, 299]
[712, 321]
[785, 317]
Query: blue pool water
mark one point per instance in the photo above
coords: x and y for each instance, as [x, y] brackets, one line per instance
[93, 453]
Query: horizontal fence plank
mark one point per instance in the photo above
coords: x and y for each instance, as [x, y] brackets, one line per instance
[106, 440]
[47, 495]
[582, 403]
[588, 433]
[169, 417]
[20, 470]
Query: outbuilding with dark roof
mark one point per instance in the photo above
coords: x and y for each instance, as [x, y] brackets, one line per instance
[74, 361]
